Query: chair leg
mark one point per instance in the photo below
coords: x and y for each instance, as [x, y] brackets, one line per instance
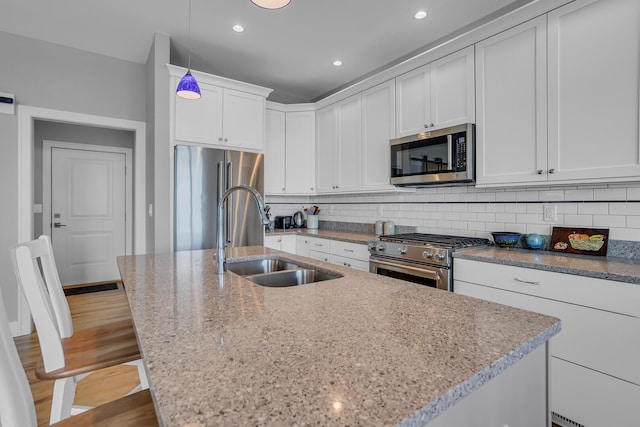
[64, 391]
[142, 375]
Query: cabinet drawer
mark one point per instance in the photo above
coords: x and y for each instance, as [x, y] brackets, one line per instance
[350, 250]
[591, 398]
[607, 295]
[319, 245]
[350, 262]
[319, 256]
[597, 339]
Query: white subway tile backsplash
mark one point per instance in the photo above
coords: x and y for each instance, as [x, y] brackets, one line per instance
[579, 220]
[516, 208]
[610, 194]
[496, 207]
[506, 217]
[624, 208]
[578, 195]
[507, 196]
[528, 218]
[632, 221]
[609, 221]
[567, 208]
[633, 193]
[593, 208]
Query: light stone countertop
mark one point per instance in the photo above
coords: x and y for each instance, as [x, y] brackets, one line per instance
[608, 268]
[344, 236]
[360, 350]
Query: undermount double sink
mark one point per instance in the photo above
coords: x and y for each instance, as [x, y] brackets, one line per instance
[277, 273]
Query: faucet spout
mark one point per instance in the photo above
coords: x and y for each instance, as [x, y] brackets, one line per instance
[222, 262]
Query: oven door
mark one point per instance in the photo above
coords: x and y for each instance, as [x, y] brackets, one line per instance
[432, 276]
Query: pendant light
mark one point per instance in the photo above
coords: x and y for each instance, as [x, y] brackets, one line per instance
[188, 86]
[271, 4]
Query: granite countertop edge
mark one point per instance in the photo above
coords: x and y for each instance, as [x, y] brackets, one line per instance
[464, 389]
[473, 255]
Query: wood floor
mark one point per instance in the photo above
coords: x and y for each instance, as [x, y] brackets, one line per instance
[91, 390]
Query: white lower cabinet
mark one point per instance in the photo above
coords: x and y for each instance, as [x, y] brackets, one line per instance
[282, 242]
[302, 245]
[595, 370]
[353, 255]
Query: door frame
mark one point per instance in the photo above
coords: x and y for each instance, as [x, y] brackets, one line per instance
[26, 117]
[48, 145]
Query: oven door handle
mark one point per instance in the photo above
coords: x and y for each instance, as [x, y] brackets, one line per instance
[401, 268]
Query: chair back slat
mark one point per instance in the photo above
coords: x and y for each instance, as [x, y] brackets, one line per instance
[24, 259]
[16, 401]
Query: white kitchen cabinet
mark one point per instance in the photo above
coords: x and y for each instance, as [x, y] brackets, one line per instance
[558, 97]
[281, 242]
[437, 95]
[378, 127]
[274, 153]
[594, 352]
[230, 114]
[511, 126]
[290, 152]
[594, 100]
[339, 147]
[302, 245]
[300, 152]
[347, 254]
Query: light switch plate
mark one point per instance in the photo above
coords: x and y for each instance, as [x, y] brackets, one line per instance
[37, 208]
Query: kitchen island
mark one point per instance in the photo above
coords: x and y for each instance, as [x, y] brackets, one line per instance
[359, 350]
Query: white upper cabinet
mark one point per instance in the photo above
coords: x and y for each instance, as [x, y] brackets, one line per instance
[378, 127]
[594, 92]
[274, 153]
[558, 97]
[511, 127]
[339, 146]
[230, 114]
[300, 152]
[437, 95]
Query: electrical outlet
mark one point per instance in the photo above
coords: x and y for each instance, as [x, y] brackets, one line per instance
[549, 213]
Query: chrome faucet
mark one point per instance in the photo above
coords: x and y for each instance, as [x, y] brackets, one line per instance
[222, 262]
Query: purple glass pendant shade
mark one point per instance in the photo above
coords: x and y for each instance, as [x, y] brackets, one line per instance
[188, 87]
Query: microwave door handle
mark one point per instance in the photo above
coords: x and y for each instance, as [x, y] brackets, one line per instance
[450, 151]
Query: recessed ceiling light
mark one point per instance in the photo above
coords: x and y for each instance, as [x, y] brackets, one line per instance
[420, 15]
[238, 28]
[271, 4]
[337, 63]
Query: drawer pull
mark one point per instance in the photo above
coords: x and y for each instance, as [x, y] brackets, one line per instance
[527, 281]
[348, 250]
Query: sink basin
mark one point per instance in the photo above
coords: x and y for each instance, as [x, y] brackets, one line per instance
[277, 273]
[260, 266]
[291, 278]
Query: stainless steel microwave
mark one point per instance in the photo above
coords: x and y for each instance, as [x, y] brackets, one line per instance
[434, 157]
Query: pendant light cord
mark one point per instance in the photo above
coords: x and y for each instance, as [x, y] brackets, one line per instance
[189, 66]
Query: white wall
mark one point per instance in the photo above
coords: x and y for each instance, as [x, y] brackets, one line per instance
[45, 75]
[469, 211]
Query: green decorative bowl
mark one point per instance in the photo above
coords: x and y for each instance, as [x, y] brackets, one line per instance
[506, 239]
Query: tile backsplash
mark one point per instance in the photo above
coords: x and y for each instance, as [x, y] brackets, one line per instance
[470, 211]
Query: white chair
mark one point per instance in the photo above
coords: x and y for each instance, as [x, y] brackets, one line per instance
[67, 355]
[16, 401]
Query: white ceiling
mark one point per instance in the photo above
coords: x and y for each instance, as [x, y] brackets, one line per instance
[290, 50]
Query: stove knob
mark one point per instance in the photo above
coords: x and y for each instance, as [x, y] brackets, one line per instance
[426, 254]
[402, 251]
[380, 248]
[441, 257]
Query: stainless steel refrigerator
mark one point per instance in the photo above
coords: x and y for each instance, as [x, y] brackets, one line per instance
[201, 175]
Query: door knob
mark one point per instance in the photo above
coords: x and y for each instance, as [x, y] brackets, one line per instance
[58, 225]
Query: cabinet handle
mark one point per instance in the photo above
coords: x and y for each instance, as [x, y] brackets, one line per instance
[282, 188]
[220, 139]
[225, 140]
[279, 240]
[426, 125]
[348, 250]
[311, 188]
[552, 170]
[432, 125]
[527, 281]
[539, 173]
[344, 263]
[317, 244]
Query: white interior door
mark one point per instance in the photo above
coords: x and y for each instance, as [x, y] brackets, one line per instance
[88, 200]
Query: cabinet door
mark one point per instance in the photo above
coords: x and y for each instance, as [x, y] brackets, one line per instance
[594, 96]
[302, 245]
[243, 120]
[349, 155]
[288, 243]
[274, 153]
[200, 120]
[300, 152]
[452, 89]
[326, 137]
[413, 102]
[273, 242]
[378, 127]
[511, 126]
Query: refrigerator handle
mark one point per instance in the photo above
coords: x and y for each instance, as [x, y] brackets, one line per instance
[221, 185]
[229, 182]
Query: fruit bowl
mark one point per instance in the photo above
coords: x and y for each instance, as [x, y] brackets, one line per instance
[506, 239]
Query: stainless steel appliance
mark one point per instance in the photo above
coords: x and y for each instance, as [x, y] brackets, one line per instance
[419, 258]
[434, 157]
[201, 176]
[284, 222]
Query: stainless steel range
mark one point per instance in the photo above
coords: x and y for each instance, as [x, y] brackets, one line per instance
[418, 258]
